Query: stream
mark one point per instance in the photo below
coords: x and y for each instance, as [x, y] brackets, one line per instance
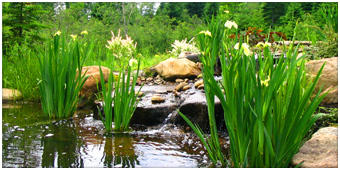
[30, 140]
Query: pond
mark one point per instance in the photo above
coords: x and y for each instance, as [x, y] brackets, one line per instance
[31, 140]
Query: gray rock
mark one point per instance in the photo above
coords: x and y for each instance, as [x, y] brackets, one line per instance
[321, 151]
[196, 110]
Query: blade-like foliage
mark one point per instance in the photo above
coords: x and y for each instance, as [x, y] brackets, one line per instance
[61, 78]
[268, 108]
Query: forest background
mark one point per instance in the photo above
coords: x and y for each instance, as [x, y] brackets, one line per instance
[26, 26]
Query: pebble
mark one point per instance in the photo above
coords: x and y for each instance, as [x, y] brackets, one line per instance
[198, 83]
[162, 92]
[179, 80]
[157, 98]
[180, 86]
[200, 86]
[186, 87]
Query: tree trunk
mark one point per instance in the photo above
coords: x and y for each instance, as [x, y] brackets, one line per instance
[124, 19]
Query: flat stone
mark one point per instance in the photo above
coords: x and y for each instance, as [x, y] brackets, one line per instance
[321, 151]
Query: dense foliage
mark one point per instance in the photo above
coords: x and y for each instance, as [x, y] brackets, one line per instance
[27, 26]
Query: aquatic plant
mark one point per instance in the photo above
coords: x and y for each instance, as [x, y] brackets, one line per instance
[267, 111]
[60, 79]
[124, 97]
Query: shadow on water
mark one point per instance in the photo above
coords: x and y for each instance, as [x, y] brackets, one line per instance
[31, 140]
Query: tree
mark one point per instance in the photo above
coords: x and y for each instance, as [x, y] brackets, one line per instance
[195, 8]
[211, 8]
[272, 14]
[21, 22]
[248, 15]
[293, 14]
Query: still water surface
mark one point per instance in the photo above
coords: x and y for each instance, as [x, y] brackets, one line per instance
[31, 140]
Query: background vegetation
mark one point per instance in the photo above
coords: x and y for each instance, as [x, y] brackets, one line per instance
[26, 26]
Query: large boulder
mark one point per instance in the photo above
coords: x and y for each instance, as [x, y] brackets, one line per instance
[321, 151]
[10, 94]
[328, 78]
[196, 110]
[90, 85]
[172, 69]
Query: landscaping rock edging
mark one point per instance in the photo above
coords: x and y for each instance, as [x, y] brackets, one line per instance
[321, 151]
[10, 94]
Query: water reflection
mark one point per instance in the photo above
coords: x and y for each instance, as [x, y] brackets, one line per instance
[61, 146]
[31, 140]
[119, 151]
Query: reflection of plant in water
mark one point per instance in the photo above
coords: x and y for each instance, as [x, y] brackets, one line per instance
[119, 151]
[62, 147]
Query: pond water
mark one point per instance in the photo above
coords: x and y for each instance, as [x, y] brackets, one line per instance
[31, 140]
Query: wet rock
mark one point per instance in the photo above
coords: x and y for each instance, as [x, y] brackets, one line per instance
[11, 94]
[195, 109]
[189, 55]
[172, 69]
[321, 151]
[180, 86]
[328, 78]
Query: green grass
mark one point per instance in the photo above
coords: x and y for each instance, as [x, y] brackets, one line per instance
[21, 71]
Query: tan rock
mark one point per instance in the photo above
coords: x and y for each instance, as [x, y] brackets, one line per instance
[157, 99]
[198, 83]
[201, 86]
[180, 86]
[328, 78]
[179, 80]
[186, 87]
[172, 69]
[321, 151]
[10, 94]
[139, 94]
[90, 85]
